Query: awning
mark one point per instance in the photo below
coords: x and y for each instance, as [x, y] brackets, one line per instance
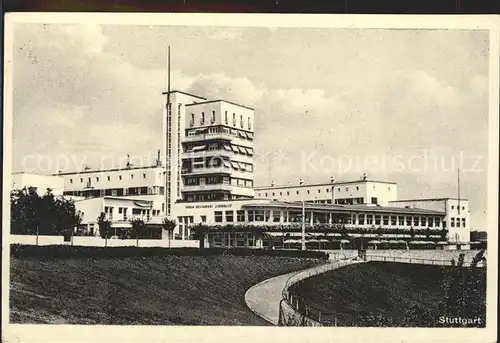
[227, 147]
[199, 148]
[249, 151]
[143, 204]
[242, 150]
[235, 165]
[242, 134]
[235, 149]
[374, 242]
[226, 163]
[249, 135]
[344, 241]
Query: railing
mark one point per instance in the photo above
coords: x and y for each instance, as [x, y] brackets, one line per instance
[294, 310]
[413, 260]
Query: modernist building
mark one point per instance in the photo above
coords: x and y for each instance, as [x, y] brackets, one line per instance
[40, 182]
[209, 149]
[457, 214]
[358, 192]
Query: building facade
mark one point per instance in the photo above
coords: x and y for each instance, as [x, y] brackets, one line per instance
[209, 149]
[358, 192]
[457, 215]
[40, 182]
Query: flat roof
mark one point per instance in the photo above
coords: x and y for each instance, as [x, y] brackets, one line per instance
[185, 93]
[348, 208]
[427, 199]
[220, 100]
[336, 183]
[127, 198]
[106, 170]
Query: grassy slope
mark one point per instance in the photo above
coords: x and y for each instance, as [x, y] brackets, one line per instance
[166, 290]
[375, 288]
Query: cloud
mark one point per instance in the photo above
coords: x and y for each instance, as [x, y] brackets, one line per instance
[224, 33]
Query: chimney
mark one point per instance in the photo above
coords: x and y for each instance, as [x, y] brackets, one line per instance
[332, 179]
[301, 181]
[365, 176]
[272, 183]
[158, 159]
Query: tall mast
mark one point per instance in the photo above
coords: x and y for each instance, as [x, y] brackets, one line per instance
[458, 174]
[167, 138]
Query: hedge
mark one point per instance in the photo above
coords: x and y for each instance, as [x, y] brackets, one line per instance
[65, 251]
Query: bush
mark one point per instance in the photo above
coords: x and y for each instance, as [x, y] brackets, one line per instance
[65, 251]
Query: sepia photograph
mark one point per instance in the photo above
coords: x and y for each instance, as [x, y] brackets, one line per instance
[251, 171]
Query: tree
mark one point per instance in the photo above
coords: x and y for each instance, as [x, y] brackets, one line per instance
[428, 233]
[46, 215]
[169, 225]
[444, 233]
[104, 226]
[138, 228]
[412, 233]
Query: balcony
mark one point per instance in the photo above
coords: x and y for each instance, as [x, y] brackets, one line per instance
[244, 141]
[208, 187]
[207, 153]
[207, 170]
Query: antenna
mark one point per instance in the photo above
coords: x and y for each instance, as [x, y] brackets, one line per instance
[128, 161]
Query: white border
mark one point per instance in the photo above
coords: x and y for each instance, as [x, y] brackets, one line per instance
[85, 333]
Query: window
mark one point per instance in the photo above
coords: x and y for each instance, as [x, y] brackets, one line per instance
[408, 221]
[361, 219]
[394, 220]
[273, 193]
[265, 194]
[281, 193]
[225, 118]
[319, 190]
[229, 216]
[401, 220]
[234, 119]
[389, 189]
[415, 221]
[463, 222]
[240, 215]
[452, 207]
[430, 221]
[374, 201]
[81, 179]
[463, 208]
[132, 176]
[328, 190]
[97, 178]
[287, 193]
[338, 189]
[218, 216]
[202, 119]
[452, 222]
[385, 220]
[213, 117]
[297, 192]
[249, 124]
[143, 176]
[119, 177]
[369, 219]
[377, 220]
[357, 188]
[347, 189]
[436, 221]
[192, 119]
[241, 122]
[109, 178]
[70, 180]
[308, 192]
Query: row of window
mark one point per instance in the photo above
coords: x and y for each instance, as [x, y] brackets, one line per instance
[214, 196]
[226, 120]
[308, 191]
[214, 130]
[458, 207]
[215, 162]
[95, 193]
[456, 222]
[97, 178]
[110, 210]
[218, 179]
[323, 218]
[220, 146]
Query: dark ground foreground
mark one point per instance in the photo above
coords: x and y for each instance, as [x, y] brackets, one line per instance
[389, 294]
[165, 290]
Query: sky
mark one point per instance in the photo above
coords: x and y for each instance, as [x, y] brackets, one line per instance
[409, 106]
